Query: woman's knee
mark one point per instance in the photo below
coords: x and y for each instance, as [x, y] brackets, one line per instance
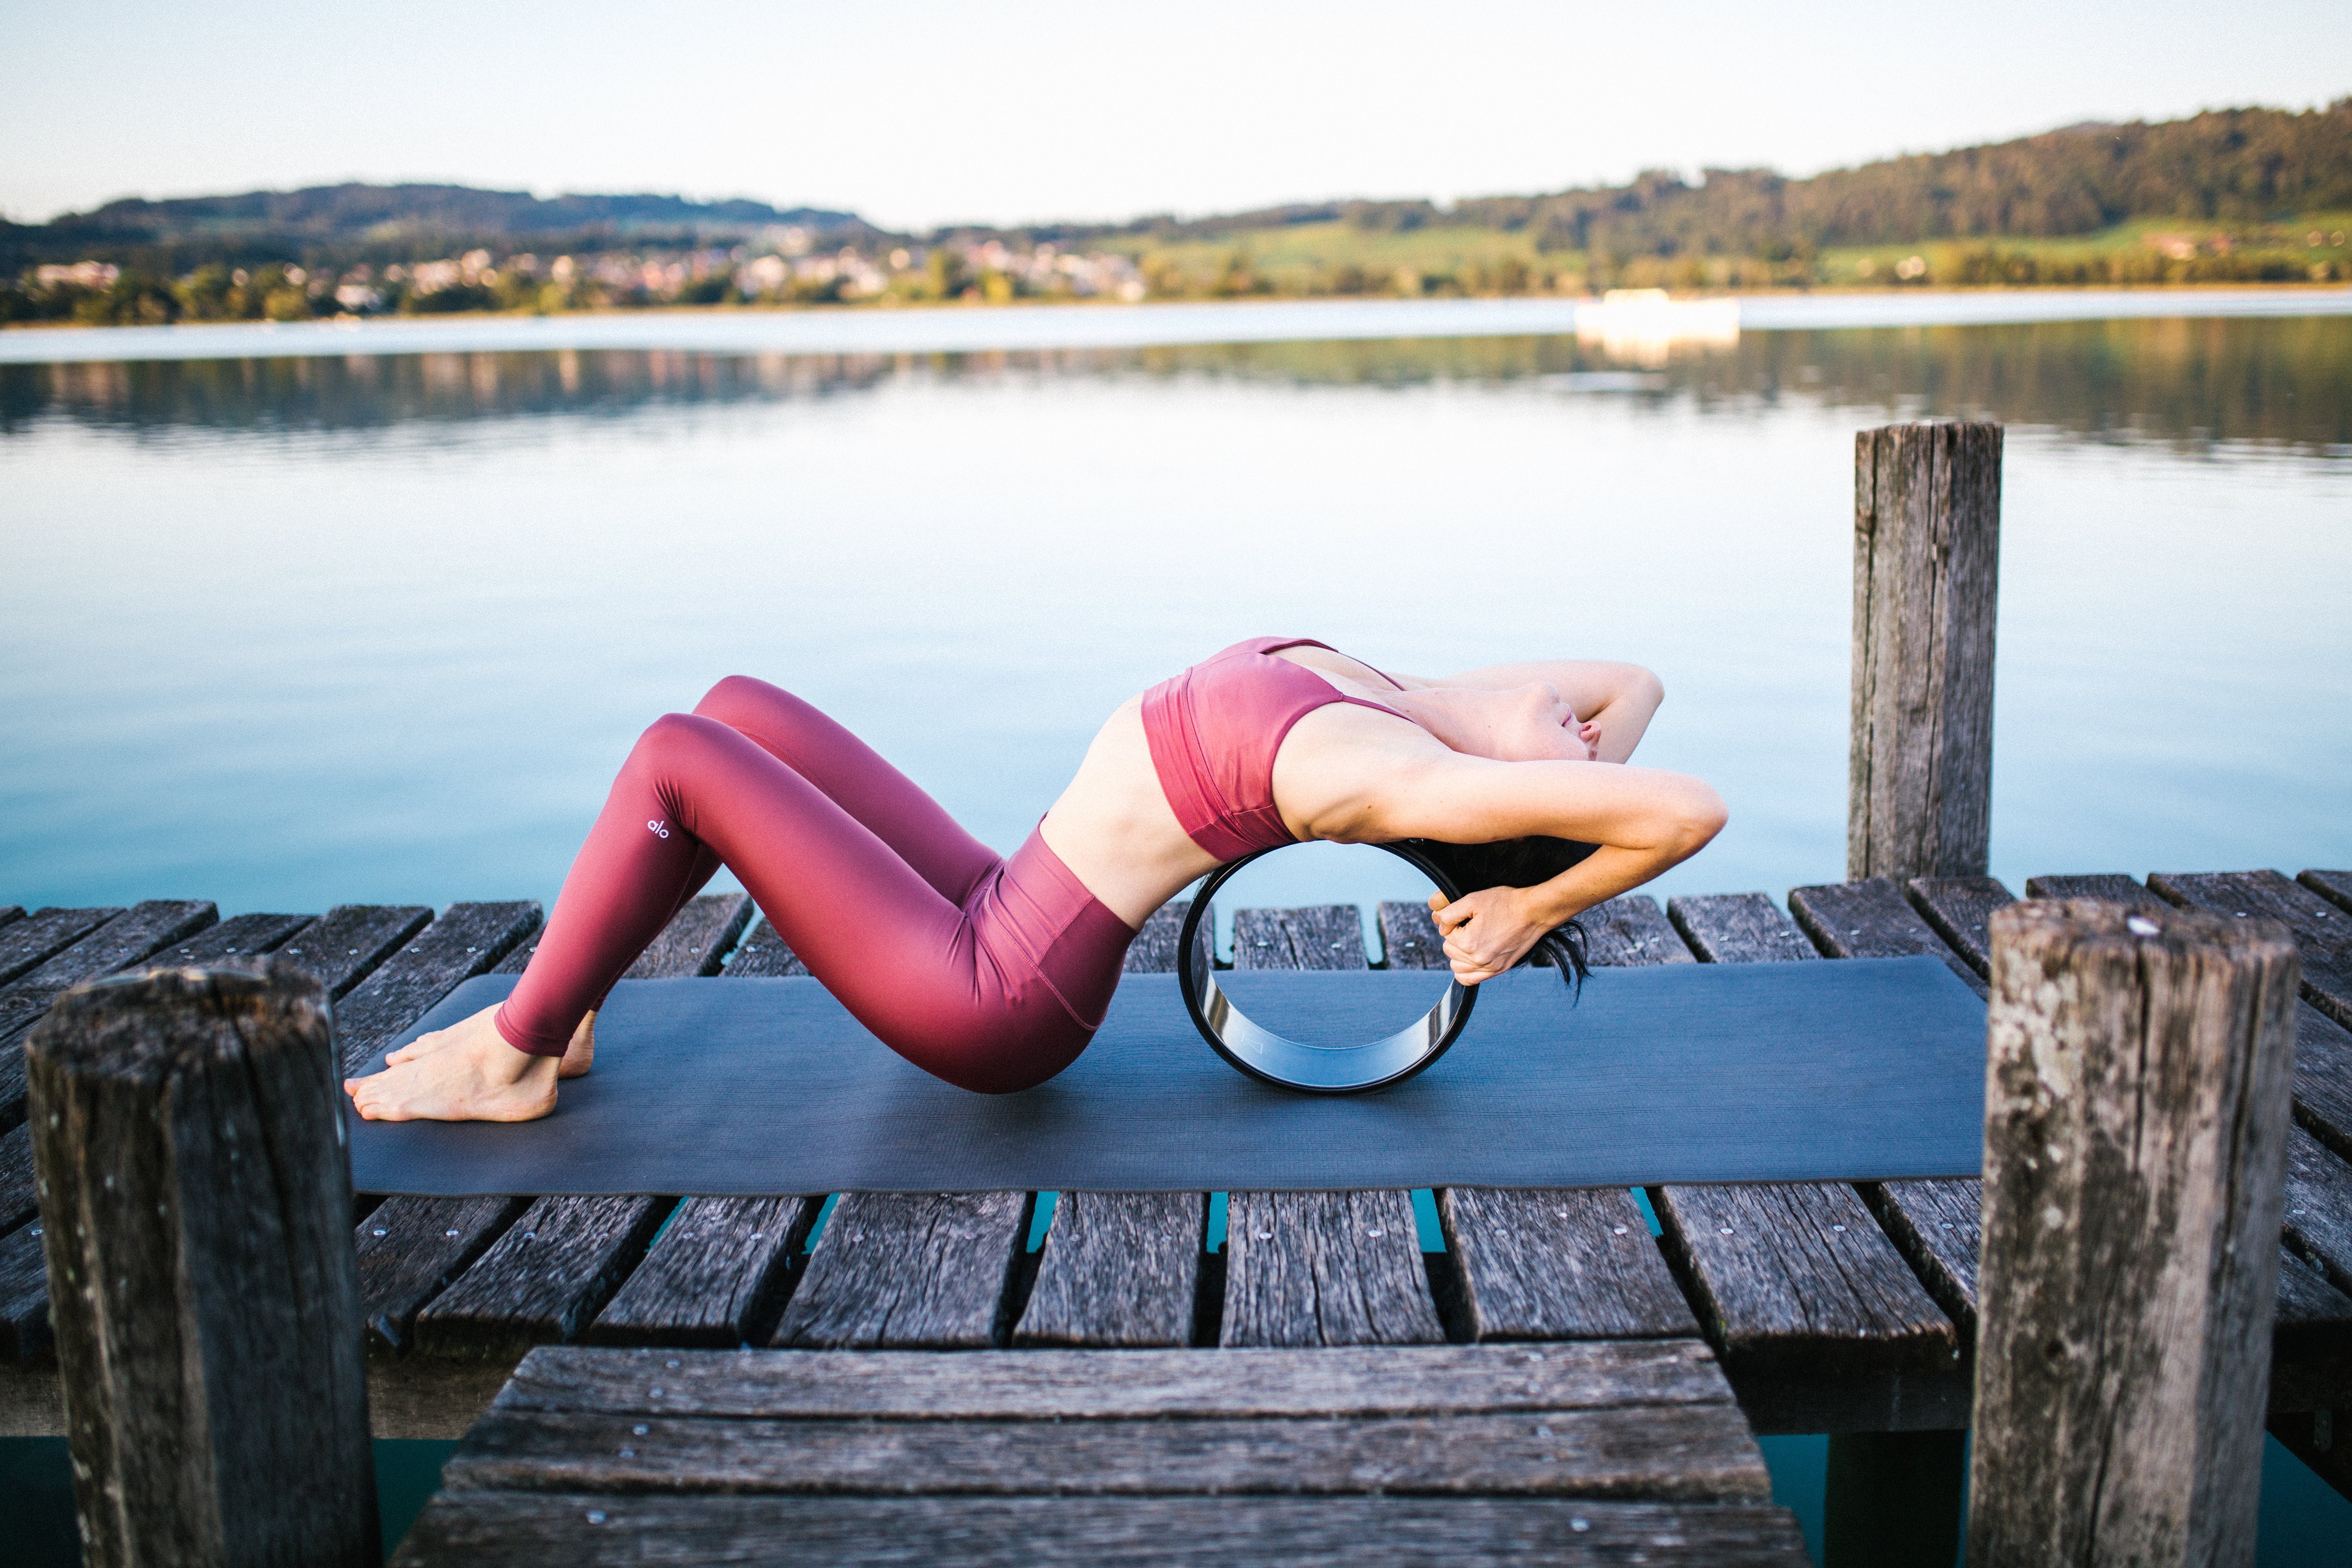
[743, 700]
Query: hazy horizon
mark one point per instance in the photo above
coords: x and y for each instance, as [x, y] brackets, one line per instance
[925, 114]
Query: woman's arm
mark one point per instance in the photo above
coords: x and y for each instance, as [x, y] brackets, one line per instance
[1620, 698]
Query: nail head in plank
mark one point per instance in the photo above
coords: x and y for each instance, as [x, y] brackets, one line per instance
[1631, 930]
[716, 1276]
[511, 1530]
[1119, 1270]
[410, 1248]
[909, 1271]
[467, 940]
[1737, 927]
[544, 1279]
[2322, 933]
[1560, 1264]
[2335, 887]
[1077, 1385]
[1325, 1268]
[239, 939]
[28, 944]
[350, 942]
[1409, 937]
[1675, 1452]
[1937, 1225]
[1317, 936]
[764, 954]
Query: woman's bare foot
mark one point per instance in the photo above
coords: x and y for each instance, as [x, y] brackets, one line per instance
[581, 1054]
[466, 1072]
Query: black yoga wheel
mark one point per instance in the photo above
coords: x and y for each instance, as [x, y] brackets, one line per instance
[1293, 1063]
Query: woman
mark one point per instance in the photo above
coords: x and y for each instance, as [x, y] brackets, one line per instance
[994, 973]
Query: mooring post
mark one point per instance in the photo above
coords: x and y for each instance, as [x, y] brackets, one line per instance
[197, 1208]
[1926, 555]
[2137, 1087]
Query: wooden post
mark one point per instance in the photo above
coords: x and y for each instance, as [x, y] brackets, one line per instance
[195, 1197]
[1927, 554]
[2137, 1092]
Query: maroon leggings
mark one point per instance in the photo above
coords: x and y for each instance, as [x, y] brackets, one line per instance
[991, 973]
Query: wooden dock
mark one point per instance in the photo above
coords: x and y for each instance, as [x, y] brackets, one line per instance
[1557, 1380]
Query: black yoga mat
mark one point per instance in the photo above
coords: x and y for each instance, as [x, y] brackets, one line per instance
[1752, 1072]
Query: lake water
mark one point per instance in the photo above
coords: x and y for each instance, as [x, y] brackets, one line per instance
[285, 633]
[288, 632]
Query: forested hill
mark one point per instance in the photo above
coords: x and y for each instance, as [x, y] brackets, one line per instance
[385, 222]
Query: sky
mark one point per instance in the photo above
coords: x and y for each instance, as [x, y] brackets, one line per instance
[917, 113]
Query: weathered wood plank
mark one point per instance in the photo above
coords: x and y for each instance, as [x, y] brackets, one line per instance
[1560, 1264]
[1935, 1226]
[505, 1529]
[1325, 1268]
[1409, 938]
[2322, 933]
[1119, 1270]
[763, 953]
[467, 940]
[1694, 1452]
[1737, 927]
[1328, 1268]
[909, 1271]
[350, 942]
[1079, 1386]
[2319, 1206]
[28, 944]
[1821, 1324]
[1872, 920]
[25, 1335]
[2137, 1116]
[1958, 908]
[2311, 1341]
[2113, 888]
[544, 1279]
[1317, 936]
[410, 1248]
[116, 945]
[2335, 887]
[697, 938]
[717, 1276]
[1631, 929]
[1153, 951]
[1927, 553]
[239, 939]
[19, 1197]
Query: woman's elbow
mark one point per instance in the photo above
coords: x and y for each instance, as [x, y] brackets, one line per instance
[1697, 818]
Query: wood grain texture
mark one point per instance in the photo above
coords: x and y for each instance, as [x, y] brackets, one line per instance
[716, 1276]
[2319, 1212]
[1316, 936]
[1631, 929]
[544, 1279]
[1937, 1227]
[467, 940]
[764, 953]
[909, 1271]
[1118, 1270]
[195, 1192]
[2335, 887]
[25, 1336]
[1560, 1264]
[1153, 951]
[1409, 938]
[1872, 920]
[1082, 1385]
[28, 944]
[19, 1200]
[1822, 1324]
[2114, 888]
[2135, 1131]
[1325, 1268]
[410, 1248]
[1695, 1452]
[118, 944]
[1958, 908]
[1927, 554]
[350, 943]
[2323, 932]
[2311, 1341]
[1737, 927]
[694, 941]
[588, 1530]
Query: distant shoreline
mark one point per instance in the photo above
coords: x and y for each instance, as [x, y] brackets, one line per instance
[1031, 326]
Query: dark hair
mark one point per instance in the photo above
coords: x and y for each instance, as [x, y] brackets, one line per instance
[1520, 863]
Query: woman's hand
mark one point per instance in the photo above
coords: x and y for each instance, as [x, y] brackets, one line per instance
[1488, 930]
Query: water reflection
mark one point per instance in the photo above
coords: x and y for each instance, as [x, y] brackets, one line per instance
[2188, 384]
